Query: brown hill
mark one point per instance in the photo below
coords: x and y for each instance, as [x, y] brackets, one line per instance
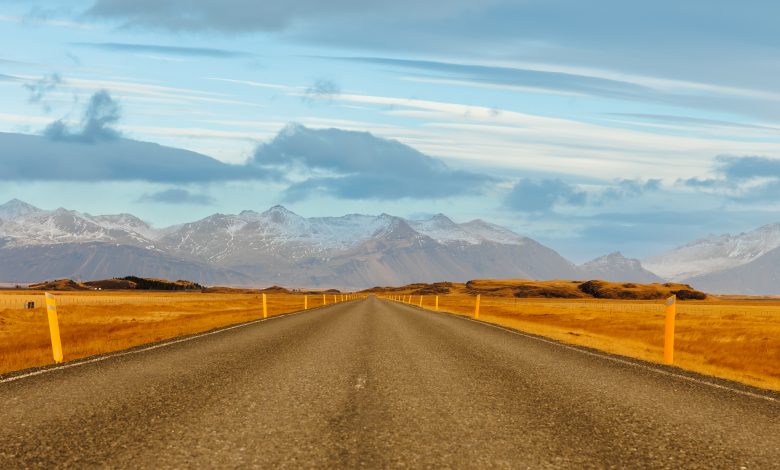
[59, 284]
[559, 289]
[125, 283]
[112, 284]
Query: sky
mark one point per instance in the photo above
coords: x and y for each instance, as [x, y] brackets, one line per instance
[592, 127]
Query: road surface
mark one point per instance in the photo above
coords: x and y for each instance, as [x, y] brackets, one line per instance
[377, 384]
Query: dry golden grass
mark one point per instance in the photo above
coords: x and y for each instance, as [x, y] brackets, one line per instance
[733, 339]
[100, 322]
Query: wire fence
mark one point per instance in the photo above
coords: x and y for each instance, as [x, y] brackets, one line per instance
[36, 300]
[465, 304]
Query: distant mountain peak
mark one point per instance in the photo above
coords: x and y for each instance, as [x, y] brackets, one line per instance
[614, 258]
[440, 216]
[280, 209]
[715, 253]
[281, 215]
[16, 208]
[616, 267]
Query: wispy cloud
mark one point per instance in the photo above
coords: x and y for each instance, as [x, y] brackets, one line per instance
[38, 89]
[46, 21]
[234, 16]
[177, 196]
[10, 78]
[591, 83]
[166, 50]
[101, 114]
[517, 77]
[322, 89]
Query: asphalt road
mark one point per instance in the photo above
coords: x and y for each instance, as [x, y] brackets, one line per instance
[377, 384]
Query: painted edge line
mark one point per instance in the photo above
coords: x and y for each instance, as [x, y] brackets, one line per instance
[165, 343]
[605, 355]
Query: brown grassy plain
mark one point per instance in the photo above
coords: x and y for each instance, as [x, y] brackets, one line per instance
[732, 338]
[735, 339]
[100, 322]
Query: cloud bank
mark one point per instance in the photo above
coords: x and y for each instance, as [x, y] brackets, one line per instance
[358, 165]
[542, 196]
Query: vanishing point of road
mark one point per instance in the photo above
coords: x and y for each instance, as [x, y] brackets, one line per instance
[377, 384]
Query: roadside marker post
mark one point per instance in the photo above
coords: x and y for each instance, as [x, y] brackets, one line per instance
[476, 308]
[420, 301]
[437, 303]
[54, 327]
[334, 298]
[324, 300]
[265, 308]
[305, 302]
[671, 313]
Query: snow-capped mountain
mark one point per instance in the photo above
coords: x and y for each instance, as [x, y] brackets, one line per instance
[275, 246]
[443, 230]
[616, 267]
[38, 227]
[714, 253]
[758, 277]
[16, 208]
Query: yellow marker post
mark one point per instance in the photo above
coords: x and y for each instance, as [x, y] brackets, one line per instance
[437, 303]
[420, 301]
[324, 300]
[305, 302]
[265, 308]
[476, 308]
[671, 312]
[334, 298]
[54, 327]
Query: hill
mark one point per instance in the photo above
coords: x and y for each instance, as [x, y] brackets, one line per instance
[125, 283]
[555, 289]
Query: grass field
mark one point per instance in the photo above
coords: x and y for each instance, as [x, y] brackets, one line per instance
[100, 322]
[736, 339]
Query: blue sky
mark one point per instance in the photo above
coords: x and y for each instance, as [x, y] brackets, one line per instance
[590, 126]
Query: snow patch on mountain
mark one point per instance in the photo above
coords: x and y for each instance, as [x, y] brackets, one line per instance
[714, 253]
[15, 208]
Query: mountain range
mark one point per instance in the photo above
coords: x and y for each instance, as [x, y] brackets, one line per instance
[746, 263]
[280, 247]
[353, 251]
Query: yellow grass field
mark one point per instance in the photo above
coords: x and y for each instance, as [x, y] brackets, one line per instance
[99, 322]
[736, 339]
